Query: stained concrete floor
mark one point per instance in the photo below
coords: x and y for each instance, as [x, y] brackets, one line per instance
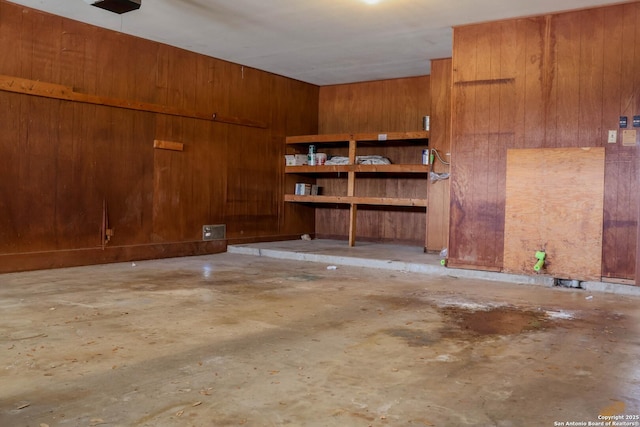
[240, 340]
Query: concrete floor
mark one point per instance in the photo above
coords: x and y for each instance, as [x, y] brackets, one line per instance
[240, 340]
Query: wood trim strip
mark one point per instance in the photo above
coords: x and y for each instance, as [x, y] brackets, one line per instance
[618, 281]
[485, 82]
[67, 93]
[168, 145]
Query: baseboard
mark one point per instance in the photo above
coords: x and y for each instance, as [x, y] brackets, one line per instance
[27, 261]
[260, 239]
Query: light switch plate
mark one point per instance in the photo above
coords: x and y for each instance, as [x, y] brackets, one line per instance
[613, 137]
[629, 137]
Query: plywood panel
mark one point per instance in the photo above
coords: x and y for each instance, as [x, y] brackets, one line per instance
[554, 203]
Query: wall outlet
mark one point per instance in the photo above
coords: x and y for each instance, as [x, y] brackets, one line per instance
[214, 232]
[613, 137]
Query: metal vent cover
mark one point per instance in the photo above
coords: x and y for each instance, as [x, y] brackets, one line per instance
[214, 232]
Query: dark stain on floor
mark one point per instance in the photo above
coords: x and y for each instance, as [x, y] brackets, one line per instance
[465, 323]
[413, 337]
[497, 320]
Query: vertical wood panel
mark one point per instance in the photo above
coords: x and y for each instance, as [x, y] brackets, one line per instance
[46, 47]
[518, 49]
[482, 134]
[461, 239]
[536, 81]
[482, 171]
[440, 139]
[503, 130]
[10, 161]
[73, 51]
[590, 80]
[634, 10]
[11, 18]
[550, 82]
[619, 222]
[568, 48]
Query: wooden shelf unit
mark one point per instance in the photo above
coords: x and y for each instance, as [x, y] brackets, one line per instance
[352, 145]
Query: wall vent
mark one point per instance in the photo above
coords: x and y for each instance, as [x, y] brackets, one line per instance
[214, 232]
[568, 283]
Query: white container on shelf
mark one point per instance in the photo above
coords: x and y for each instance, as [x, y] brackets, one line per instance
[295, 159]
[303, 189]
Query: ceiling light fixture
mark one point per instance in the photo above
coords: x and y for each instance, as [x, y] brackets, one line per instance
[371, 1]
[116, 6]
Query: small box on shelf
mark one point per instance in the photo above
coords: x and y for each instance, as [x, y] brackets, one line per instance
[295, 159]
[303, 189]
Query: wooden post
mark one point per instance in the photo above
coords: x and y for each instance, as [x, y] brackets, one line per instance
[353, 210]
[351, 191]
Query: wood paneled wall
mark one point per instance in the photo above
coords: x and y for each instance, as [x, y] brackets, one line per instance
[386, 105]
[61, 159]
[438, 192]
[559, 80]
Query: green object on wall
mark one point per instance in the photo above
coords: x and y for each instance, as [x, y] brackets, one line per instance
[540, 256]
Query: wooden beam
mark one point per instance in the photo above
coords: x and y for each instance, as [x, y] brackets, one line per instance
[67, 93]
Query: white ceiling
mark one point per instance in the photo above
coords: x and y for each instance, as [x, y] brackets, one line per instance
[316, 41]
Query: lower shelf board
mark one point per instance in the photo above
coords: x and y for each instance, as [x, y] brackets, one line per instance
[357, 200]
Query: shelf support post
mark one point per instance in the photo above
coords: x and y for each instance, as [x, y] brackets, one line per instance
[353, 210]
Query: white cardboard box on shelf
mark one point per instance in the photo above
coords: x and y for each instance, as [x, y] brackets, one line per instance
[303, 189]
[295, 159]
